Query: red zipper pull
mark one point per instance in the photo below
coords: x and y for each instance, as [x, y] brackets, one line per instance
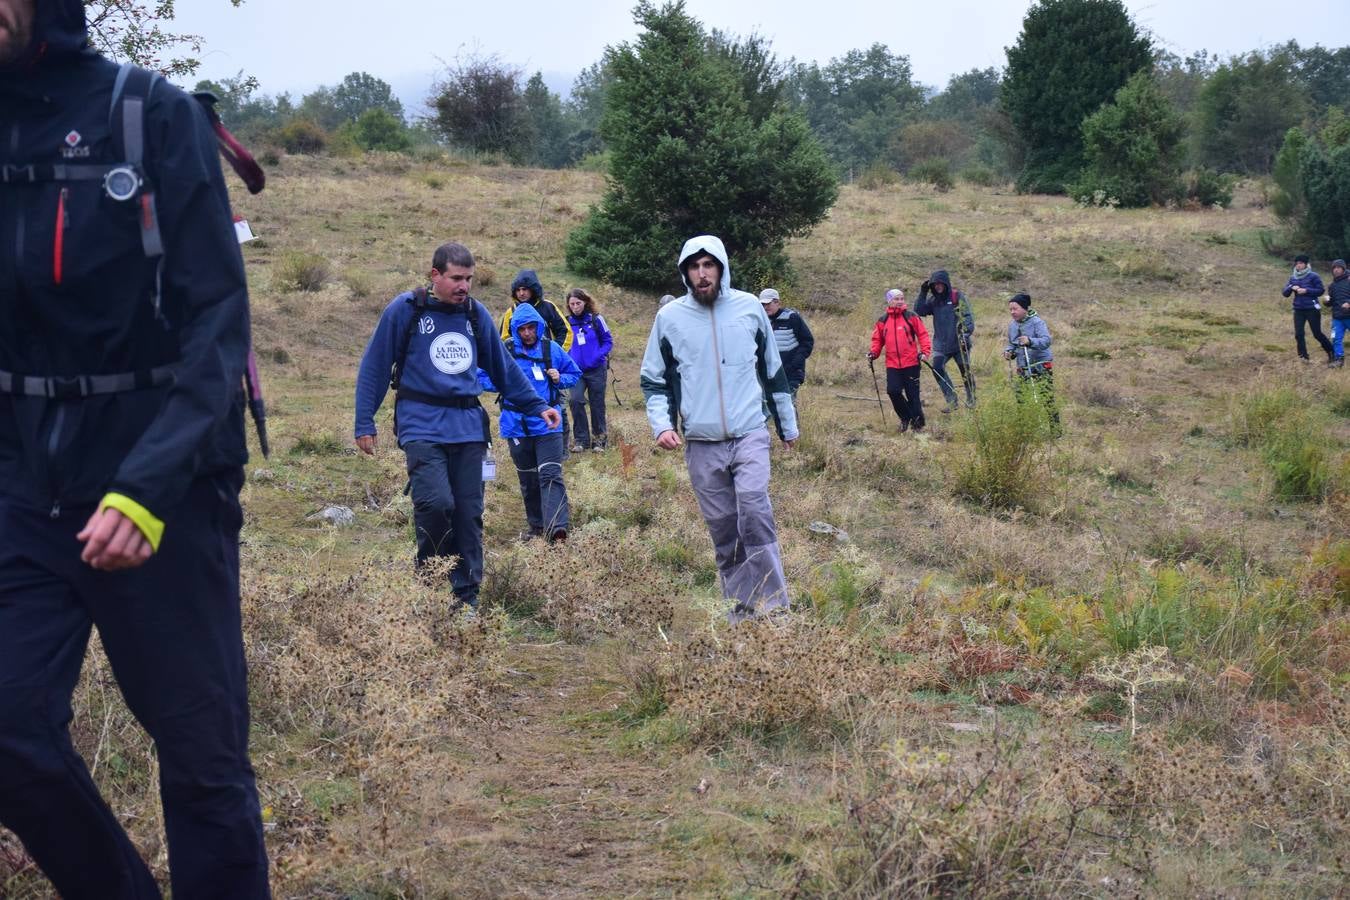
[59, 245]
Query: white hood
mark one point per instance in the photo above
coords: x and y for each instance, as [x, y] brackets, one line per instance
[706, 243]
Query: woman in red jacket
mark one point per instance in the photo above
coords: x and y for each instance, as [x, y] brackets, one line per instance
[906, 342]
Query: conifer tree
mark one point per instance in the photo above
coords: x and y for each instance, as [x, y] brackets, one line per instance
[687, 157]
[1071, 57]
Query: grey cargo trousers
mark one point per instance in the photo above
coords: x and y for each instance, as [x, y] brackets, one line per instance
[731, 482]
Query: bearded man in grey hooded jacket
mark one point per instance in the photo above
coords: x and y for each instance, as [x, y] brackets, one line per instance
[712, 370]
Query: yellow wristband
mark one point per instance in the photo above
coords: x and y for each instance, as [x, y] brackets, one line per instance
[142, 518]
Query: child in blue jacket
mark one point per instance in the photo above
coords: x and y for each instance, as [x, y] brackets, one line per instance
[537, 449]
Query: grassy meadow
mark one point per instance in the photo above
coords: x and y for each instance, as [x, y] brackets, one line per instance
[1109, 664]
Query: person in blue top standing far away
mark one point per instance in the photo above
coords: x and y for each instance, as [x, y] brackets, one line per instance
[428, 346]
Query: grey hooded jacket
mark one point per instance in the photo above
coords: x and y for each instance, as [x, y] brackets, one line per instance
[717, 367]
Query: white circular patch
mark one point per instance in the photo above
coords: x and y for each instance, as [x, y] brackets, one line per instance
[452, 353]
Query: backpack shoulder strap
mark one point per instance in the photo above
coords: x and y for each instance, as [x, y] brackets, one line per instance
[126, 121]
[419, 304]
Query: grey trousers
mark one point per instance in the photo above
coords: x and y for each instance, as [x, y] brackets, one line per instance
[731, 482]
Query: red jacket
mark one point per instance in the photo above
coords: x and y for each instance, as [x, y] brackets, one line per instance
[904, 337]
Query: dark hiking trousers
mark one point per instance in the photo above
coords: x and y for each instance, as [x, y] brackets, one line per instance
[944, 380]
[539, 466]
[903, 387]
[1313, 318]
[446, 481]
[592, 382]
[171, 631]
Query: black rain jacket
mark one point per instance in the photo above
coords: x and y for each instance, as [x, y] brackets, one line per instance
[76, 288]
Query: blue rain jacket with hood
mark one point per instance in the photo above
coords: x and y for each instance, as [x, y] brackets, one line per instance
[447, 347]
[557, 324]
[77, 289]
[715, 370]
[515, 423]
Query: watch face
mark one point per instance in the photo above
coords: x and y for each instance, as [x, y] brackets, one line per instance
[121, 183]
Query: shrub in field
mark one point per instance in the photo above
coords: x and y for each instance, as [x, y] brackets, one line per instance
[979, 175]
[1004, 438]
[601, 582]
[876, 176]
[1295, 442]
[937, 172]
[1209, 188]
[765, 676]
[299, 271]
[301, 136]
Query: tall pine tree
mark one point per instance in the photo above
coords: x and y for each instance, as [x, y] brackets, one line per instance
[1071, 57]
[687, 157]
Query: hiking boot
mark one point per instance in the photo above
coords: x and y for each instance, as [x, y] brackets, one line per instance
[948, 409]
[526, 536]
[559, 536]
[577, 448]
[904, 426]
[1337, 363]
[599, 444]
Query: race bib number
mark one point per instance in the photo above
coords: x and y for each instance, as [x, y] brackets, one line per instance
[581, 338]
[451, 353]
[538, 373]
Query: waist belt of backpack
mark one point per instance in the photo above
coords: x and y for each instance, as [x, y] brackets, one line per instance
[74, 387]
[434, 400]
[34, 173]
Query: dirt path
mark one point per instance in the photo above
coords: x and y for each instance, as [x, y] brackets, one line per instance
[558, 809]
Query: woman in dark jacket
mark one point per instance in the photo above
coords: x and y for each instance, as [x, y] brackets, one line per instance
[591, 346]
[1305, 287]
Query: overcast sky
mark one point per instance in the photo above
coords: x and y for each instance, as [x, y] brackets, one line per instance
[296, 45]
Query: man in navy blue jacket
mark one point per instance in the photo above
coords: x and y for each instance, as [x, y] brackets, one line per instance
[123, 339]
[428, 346]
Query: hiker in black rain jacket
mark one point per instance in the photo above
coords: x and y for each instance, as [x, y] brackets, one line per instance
[953, 326]
[121, 454]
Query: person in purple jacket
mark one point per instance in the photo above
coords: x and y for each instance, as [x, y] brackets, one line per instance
[1305, 287]
[591, 346]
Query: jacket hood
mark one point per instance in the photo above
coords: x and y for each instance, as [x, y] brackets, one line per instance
[941, 277]
[527, 278]
[58, 31]
[524, 314]
[705, 243]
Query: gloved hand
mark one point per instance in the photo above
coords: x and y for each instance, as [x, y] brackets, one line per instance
[871, 357]
[923, 288]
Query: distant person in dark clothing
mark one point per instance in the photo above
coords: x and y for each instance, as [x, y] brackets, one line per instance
[794, 338]
[953, 326]
[1305, 287]
[1338, 295]
[900, 335]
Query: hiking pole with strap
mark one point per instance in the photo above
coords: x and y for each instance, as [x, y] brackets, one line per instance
[872, 364]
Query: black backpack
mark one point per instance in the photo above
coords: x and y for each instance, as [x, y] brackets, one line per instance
[128, 180]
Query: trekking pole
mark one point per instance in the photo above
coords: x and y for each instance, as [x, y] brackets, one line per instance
[876, 385]
[1026, 360]
[941, 378]
[613, 384]
[962, 346]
